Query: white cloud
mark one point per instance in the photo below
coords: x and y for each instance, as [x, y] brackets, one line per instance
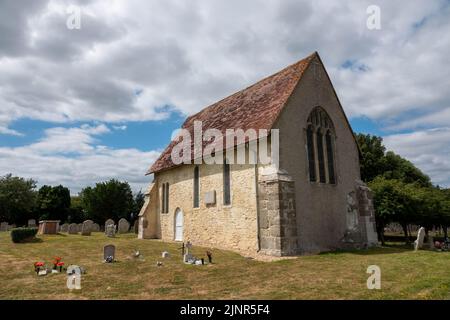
[188, 55]
[428, 149]
[72, 157]
[141, 60]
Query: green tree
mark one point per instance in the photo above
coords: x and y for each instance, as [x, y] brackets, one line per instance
[53, 203]
[372, 156]
[76, 212]
[396, 167]
[17, 199]
[393, 202]
[107, 200]
[375, 162]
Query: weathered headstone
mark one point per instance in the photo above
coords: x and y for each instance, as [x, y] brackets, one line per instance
[109, 252]
[124, 226]
[86, 228]
[64, 227]
[73, 228]
[4, 226]
[79, 227]
[418, 243]
[136, 226]
[31, 223]
[110, 230]
[95, 227]
[108, 222]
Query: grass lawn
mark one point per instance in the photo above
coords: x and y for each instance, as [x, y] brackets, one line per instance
[404, 274]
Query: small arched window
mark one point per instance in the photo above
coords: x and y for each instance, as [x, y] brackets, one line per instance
[196, 187]
[320, 147]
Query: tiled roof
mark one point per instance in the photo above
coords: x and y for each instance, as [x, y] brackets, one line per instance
[256, 107]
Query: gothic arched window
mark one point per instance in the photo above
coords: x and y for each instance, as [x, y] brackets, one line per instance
[320, 147]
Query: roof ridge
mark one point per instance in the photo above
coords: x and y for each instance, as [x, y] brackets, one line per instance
[267, 97]
[309, 58]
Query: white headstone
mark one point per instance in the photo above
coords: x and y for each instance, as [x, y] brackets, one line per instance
[108, 222]
[418, 244]
[110, 230]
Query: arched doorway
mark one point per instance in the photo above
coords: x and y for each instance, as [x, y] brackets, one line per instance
[179, 225]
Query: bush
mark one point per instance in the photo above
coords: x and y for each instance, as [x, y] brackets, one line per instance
[23, 234]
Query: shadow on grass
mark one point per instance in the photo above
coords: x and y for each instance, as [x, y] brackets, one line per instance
[388, 248]
[34, 240]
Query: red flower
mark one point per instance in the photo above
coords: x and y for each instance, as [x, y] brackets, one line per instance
[38, 264]
[60, 264]
[57, 259]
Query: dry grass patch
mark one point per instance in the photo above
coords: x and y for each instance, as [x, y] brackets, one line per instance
[341, 275]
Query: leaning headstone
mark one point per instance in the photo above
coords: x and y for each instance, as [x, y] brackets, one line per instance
[86, 228]
[31, 223]
[109, 253]
[418, 244]
[124, 226]
[95, 227]
[110, 230]
[64, 227]
[73, 228]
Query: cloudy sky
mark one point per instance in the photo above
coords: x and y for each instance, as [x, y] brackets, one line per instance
[78, 106]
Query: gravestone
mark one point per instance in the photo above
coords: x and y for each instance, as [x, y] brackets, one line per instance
[110, 230]
[79, 227]
[124, 226]
[136, 226]
[418, 243]
[4, 226]
[108, 222]
[95, 227]
[86, 228]
[64, 227]
[109, 252]
[31, 223]
[73, 228]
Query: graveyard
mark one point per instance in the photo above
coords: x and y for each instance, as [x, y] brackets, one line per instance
[405, 273]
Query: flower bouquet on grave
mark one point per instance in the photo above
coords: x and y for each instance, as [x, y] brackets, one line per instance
[37, 266]
[55, 262]
[60, 265]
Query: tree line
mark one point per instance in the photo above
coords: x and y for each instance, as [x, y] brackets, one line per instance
[20, 200]
[402, 193]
